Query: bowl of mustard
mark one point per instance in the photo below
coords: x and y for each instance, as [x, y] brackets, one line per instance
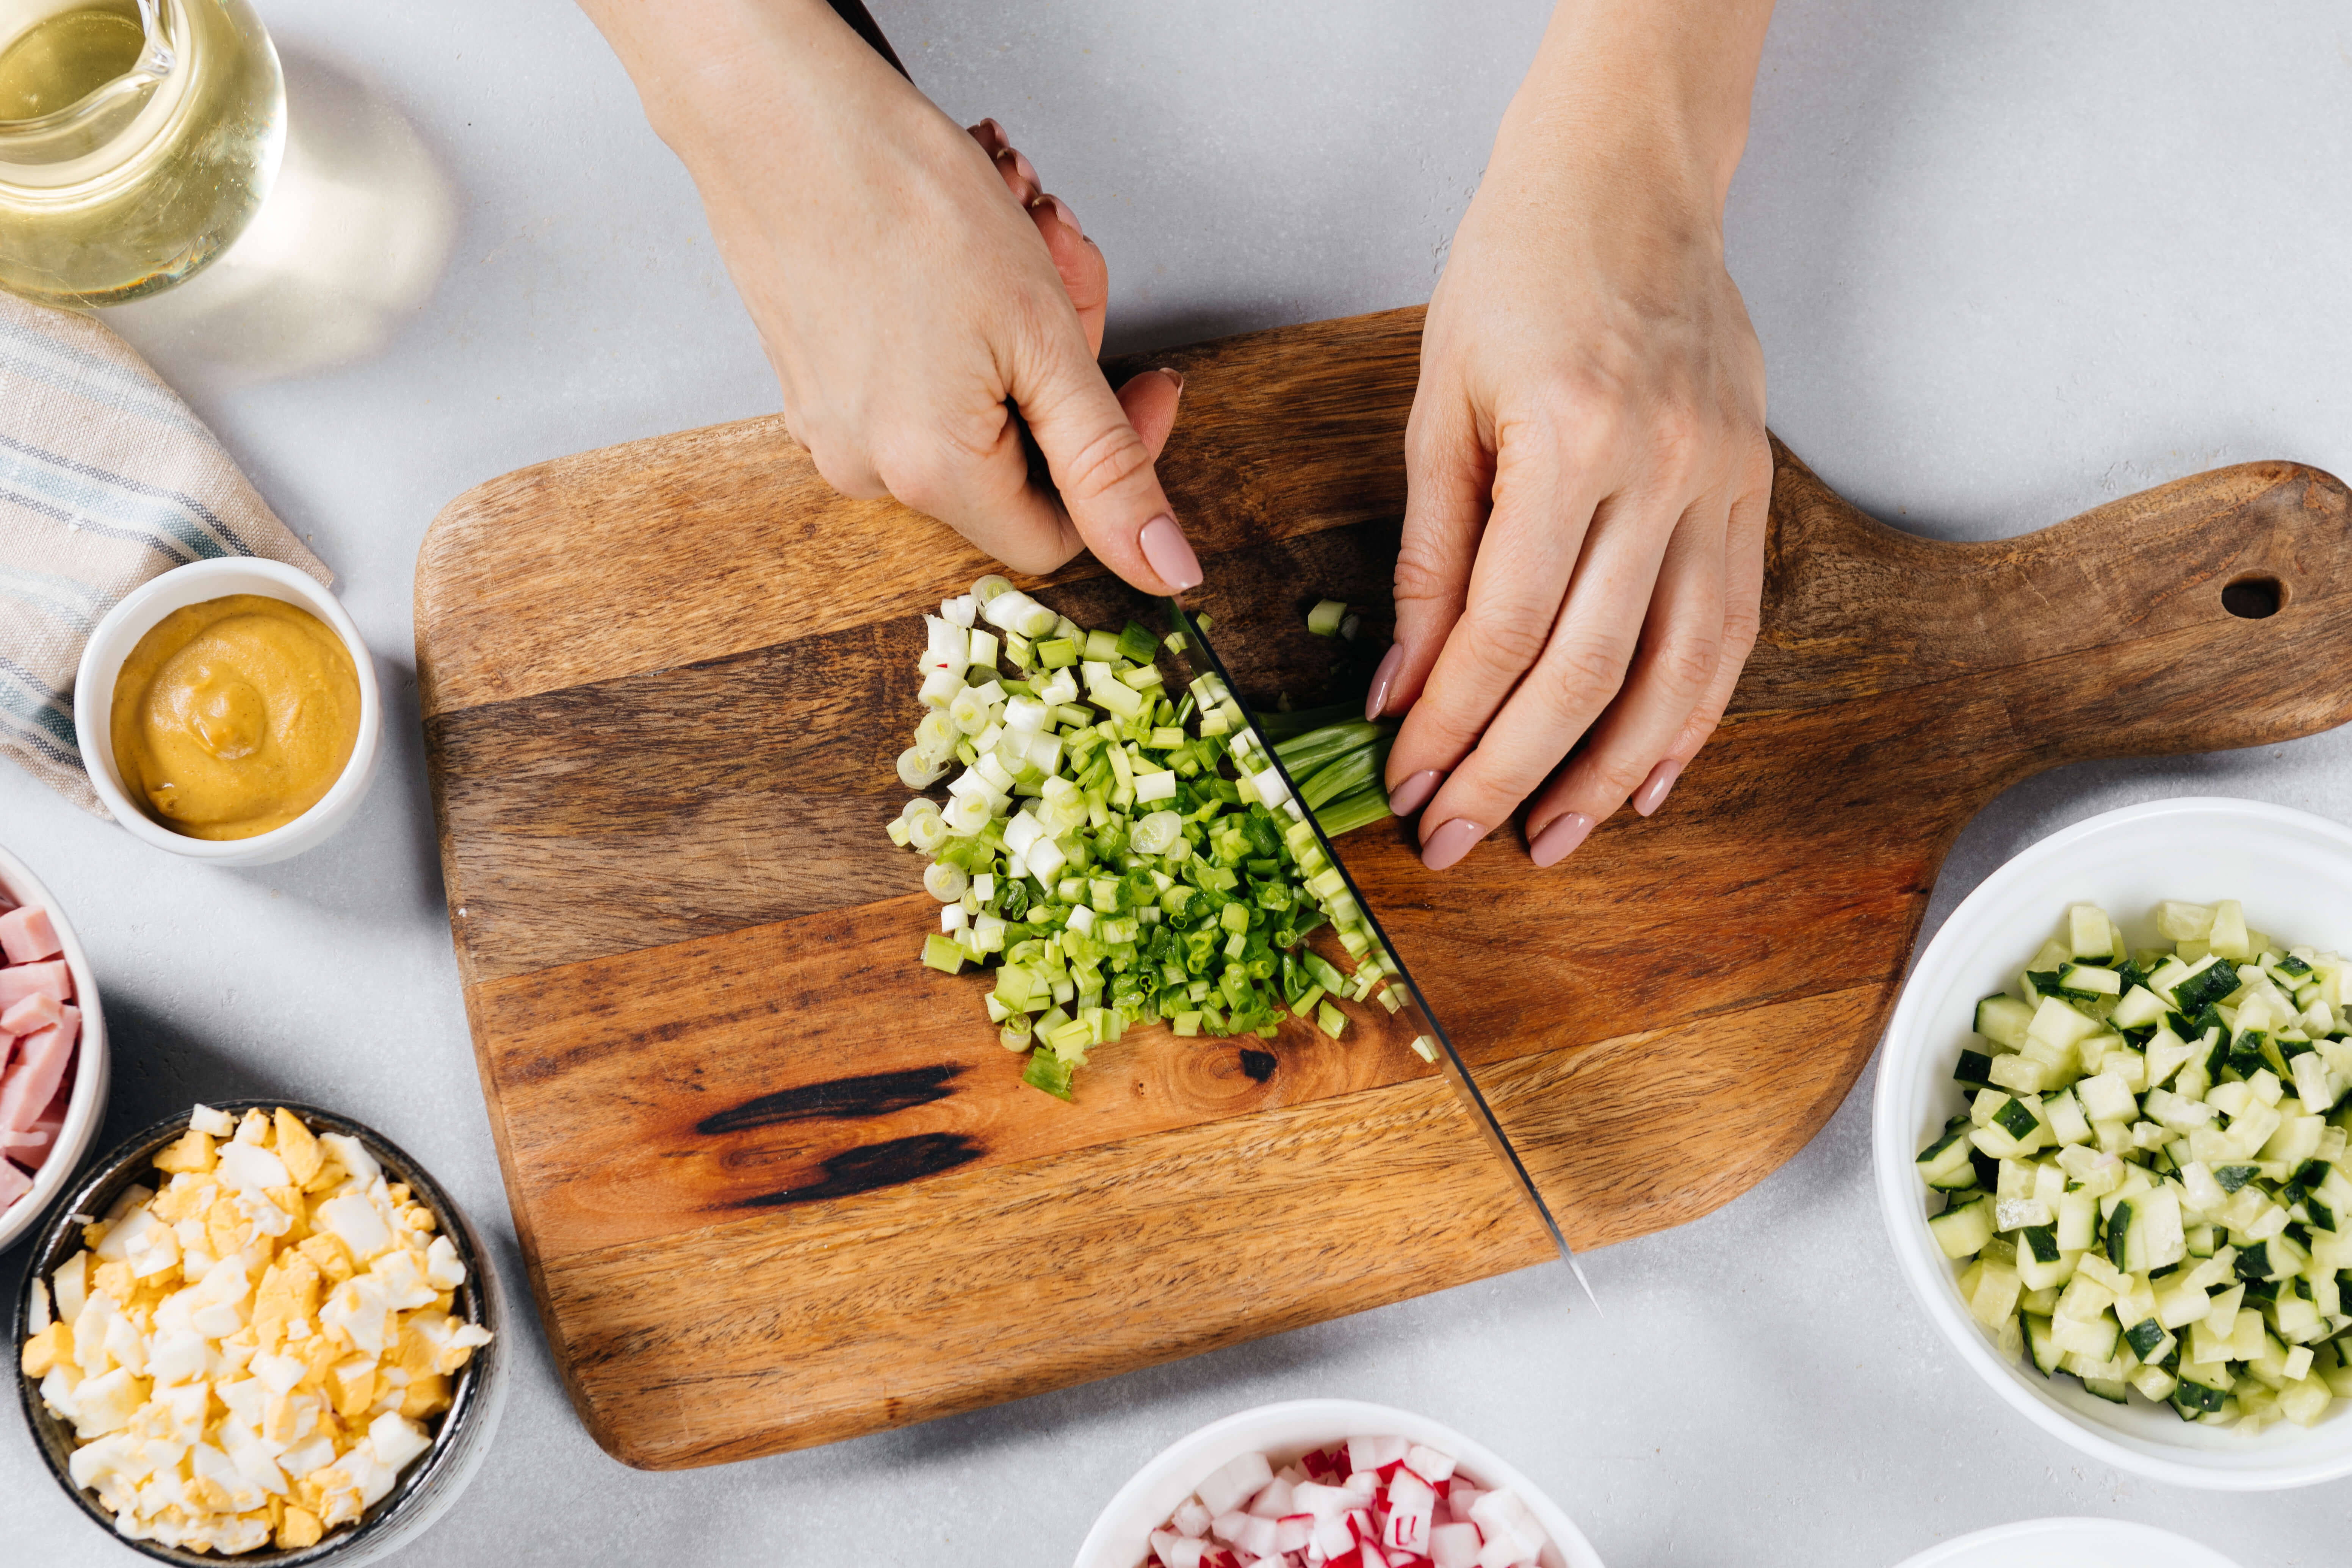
[228, 711]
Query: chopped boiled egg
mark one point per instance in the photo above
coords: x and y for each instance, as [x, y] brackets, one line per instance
[251, 1352]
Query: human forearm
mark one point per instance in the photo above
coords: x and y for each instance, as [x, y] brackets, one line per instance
[1668, 81]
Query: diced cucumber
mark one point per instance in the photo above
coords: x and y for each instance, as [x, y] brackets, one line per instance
[2139, 1008]
[2146, 1168]
[1962, 1232]
[2092, 977]
[2003, 1020]
[1948, 1163]
[2090, 933]
[2042, 1351]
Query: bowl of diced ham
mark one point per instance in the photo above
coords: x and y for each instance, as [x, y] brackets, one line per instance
[1331, 1483]
[52, 1050]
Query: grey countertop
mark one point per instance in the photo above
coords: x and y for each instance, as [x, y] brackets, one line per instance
[2009, 260]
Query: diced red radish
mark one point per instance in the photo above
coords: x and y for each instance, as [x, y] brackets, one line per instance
[40, 1066]
[1510, 1531]
[20, 981]
[1245, 1531]
[1322, 1501]
[1238, 1479]
[1369, 1502]
[1412, 1505]
[1454, 1545]
[1428, 1463]
[35, 1013]
[1275, 1500]
[27, 935]
[1333, 1537]
[14, 1183]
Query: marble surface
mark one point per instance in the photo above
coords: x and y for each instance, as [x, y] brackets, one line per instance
[2009, 260]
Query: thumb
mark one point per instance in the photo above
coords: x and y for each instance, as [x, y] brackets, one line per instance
[1101, 466]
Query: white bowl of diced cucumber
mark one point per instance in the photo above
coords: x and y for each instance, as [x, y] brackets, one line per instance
[2287, 875]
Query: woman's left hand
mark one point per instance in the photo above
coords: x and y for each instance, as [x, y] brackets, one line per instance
[1589, 474]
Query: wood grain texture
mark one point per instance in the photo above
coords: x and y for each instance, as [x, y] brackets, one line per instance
[778, 1186]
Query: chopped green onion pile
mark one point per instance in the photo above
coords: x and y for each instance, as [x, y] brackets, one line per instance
[1126, 853]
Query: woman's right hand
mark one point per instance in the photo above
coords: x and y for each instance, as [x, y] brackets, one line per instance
[923, 301]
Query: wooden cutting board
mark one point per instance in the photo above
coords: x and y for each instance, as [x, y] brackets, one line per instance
[778, 1185]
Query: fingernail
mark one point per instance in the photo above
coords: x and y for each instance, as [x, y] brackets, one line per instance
[1414, 793]
[1171, 553]
[1450, 843]
[1557, 842]
[1377, 700]
[1173, 373]
[991, 126]
[1653, 790]
[1062, 211]
[1026, 170]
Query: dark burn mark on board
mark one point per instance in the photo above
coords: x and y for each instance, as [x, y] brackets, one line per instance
[864, 1169]
[847, 1099]
[1259, 1065]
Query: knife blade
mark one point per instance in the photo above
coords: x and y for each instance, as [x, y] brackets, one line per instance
[1213, 689]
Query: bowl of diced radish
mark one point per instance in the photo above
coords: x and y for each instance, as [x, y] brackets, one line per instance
[1331, 1483]
[52, 1050]
[2291, 874]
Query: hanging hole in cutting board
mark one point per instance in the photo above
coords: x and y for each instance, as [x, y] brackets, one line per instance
[2253, 598]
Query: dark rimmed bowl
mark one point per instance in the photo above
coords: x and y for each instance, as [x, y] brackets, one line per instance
[429, 1485]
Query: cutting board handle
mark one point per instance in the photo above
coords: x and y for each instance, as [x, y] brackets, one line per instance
[2210, 613]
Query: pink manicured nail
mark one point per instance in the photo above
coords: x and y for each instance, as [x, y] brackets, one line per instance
[1452, 841]
[1171, 553]
[1559, 840]
[1653, 790]
[1377, 700]
[1414, 793]
[1069, 219]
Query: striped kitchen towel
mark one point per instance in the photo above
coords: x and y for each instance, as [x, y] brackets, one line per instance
[106, 480]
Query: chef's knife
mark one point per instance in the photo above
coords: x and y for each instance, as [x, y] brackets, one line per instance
[1413, 1008]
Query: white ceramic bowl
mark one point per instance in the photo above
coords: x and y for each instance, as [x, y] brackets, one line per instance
[86, 1106]
[119, 631]
[1121, 1537]
[2069, 1544]
[2293, 871]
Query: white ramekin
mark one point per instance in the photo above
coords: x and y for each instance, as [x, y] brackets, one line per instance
[2293, 871]
[119, 632]
[87, 1107]
[2069, 1544]
[1121, 1537]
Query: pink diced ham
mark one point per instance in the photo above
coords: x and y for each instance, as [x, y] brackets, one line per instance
[34, 1014]
[14, 1184]
[39, 1068]
[22, 980]
[27, 936]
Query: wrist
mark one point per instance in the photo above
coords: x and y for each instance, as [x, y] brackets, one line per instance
[706, 69]
[1660, 88]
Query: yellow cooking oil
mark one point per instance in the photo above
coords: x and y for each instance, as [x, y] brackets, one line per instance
[138, 138]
